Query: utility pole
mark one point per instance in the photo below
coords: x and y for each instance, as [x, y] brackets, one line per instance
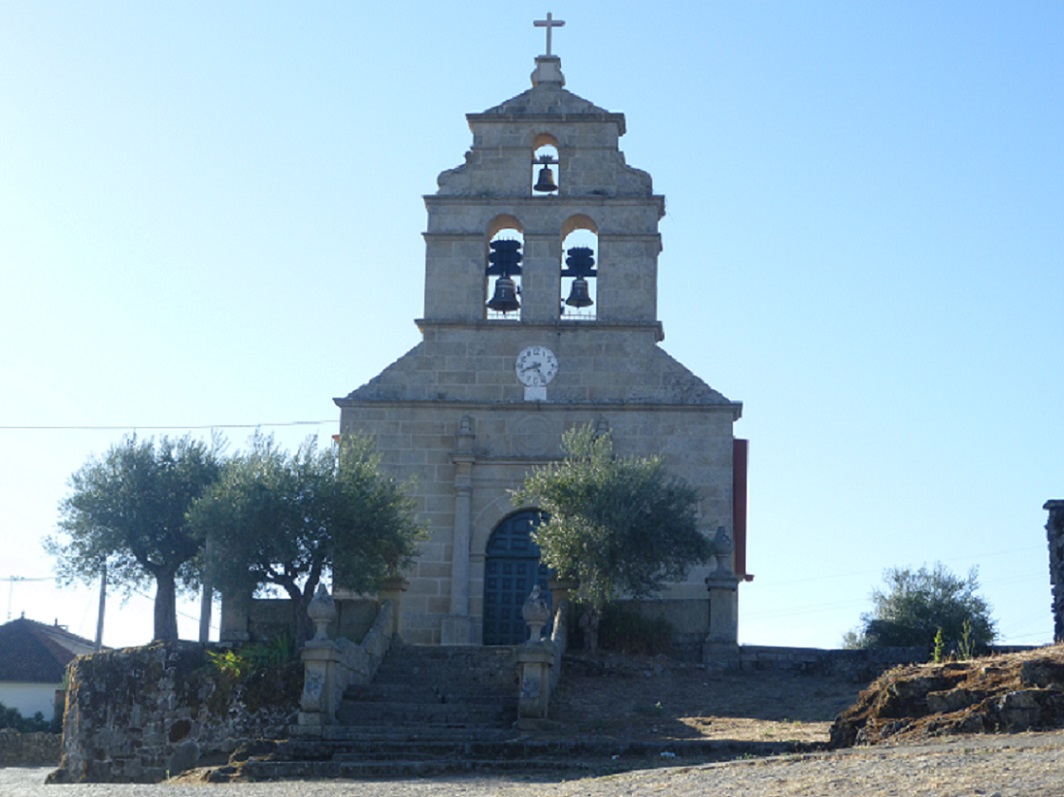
[103, 606]
[207, 598]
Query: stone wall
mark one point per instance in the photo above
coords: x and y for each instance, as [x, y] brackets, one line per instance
[28, 749]
[860, 666]
[143, 714]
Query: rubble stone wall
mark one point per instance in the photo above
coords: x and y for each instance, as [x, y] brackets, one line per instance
[142, 714]
[28, 749]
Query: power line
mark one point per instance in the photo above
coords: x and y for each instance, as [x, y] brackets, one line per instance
[133, 427]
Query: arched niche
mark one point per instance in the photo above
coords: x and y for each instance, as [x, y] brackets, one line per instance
[579, 269]
[503, 253]
[545, 169]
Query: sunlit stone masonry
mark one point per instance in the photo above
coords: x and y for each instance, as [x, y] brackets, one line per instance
[540, 314]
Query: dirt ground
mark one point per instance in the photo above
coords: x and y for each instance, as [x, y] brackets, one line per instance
[659, 698]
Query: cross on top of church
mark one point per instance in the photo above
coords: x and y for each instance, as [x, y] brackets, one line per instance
[548, 23]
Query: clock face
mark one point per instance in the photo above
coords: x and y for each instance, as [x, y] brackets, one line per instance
[536, 366]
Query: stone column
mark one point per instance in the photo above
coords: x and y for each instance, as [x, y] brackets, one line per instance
[1055, 537]
[722, 642]
[457, 627]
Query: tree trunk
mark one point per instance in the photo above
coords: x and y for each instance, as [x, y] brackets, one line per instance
[589, 622]
[302, 625]
[165, 607]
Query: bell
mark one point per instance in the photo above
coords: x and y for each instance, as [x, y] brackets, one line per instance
[505, 298]
[578, 295]
[545, 183]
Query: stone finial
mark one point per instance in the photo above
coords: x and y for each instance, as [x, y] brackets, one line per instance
[322, 612]
[722, 550]
[536, 613]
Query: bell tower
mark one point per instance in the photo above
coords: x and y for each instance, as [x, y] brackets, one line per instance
[544, 165]
[540, 314]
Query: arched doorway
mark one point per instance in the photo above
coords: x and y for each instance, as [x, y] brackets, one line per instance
[511, 569]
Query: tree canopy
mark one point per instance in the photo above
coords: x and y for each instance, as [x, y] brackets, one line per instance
[127, 512]
[287, 520]
[617, 525]
[914, 604]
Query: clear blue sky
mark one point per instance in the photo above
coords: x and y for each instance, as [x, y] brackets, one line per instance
[210, 215]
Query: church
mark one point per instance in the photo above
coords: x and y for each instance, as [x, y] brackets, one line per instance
[540, 314]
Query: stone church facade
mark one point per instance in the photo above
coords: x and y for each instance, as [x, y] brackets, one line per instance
[540, 315]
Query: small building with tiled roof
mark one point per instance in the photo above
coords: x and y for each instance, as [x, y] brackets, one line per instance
[33, 662]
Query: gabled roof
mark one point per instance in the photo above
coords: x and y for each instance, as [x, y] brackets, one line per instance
[32, 652]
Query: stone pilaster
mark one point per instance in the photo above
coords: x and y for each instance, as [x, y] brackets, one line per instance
[457, 627]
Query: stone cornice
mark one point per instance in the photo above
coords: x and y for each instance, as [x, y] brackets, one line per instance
[605, 236]
[478, 200]
[560, 325]
[735, 408]
[577, 117]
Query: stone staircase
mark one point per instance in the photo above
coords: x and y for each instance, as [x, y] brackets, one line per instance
[429, 710]
[419, 689]
[434, 711]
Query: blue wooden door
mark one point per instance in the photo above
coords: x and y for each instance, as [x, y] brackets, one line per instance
[511, 569]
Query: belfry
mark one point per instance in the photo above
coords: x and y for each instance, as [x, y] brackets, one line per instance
[540, 314]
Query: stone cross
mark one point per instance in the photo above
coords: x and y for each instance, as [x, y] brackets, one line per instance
[548, 23]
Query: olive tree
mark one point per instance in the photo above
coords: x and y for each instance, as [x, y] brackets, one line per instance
[287, 520]
[619, 526]
[914, 604]
[127, 512]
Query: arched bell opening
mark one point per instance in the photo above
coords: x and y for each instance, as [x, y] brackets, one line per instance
[579, 270]
[544, 165]
[511, 568]
[503, 269]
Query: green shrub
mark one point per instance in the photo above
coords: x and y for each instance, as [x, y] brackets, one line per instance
[11, 718]
[622, 629]
[239, 664]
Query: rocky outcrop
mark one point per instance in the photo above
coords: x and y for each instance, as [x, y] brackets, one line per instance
[998, 694]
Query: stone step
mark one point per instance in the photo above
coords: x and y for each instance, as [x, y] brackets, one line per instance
[464, 714]
[405, 735]
[384, 693]
[437, 687]
[397, 769]
[365, 759]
